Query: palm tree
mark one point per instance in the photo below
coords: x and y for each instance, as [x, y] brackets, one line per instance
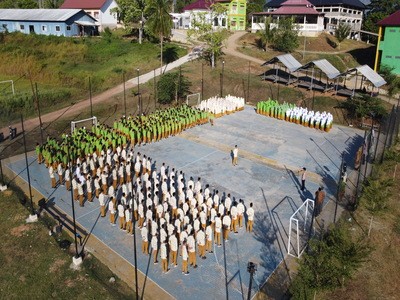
[160, 21]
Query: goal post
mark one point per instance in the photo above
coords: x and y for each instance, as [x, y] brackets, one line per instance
[299, 227]
[193, 99]
[88, 123]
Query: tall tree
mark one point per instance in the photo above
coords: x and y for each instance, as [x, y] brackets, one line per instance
[267, 35]
[286, 37]
[159, 21]
[342, 32]
[132, 14]
[378, 10]
[203, 30]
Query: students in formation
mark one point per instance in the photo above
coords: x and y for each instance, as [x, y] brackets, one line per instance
[175, 214]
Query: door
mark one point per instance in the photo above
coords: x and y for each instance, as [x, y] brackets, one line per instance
[31, 29]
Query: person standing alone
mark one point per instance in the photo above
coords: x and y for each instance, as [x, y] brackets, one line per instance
[235, 152]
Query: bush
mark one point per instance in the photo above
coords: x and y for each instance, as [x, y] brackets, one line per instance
[170, 85]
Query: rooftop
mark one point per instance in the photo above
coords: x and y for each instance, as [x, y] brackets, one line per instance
[351, 3]
[37, 14]
[392, 20]
[83, 4]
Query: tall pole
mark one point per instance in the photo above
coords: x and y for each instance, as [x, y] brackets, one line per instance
[138, 92]
[226, 273]
[72, 200]
[222, 79]
[338, 188]
[1, 172]
[251, 268]
[155, 89]
[90, 97]
[304, 47]
[179, 83]
[39, 113]
[248, 83]
[202, 81]
[27, 166]
[123, 79]
[135, 255]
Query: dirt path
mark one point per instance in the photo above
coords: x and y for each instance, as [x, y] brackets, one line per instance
[30, 124]
[231, 44]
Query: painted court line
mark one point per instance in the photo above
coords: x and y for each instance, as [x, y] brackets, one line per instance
[188, 164]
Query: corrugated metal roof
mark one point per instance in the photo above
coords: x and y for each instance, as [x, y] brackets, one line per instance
[318, 3]
[392, 20]
[376, 79]
[83, 4]
[325, 66]
[288, 60]
[37, 14]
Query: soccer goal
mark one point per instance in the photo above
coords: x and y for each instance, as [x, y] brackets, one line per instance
[193, 99]
[87, 123]
[299, 227]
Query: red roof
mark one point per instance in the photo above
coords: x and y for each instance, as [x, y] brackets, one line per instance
[393, 19]
[293, 7]
[83, 4]
[199, 4]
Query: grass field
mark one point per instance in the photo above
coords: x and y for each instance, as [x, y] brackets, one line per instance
[35, 267]
[62, 66]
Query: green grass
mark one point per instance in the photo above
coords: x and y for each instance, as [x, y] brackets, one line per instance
[62, 66]
[34, 266]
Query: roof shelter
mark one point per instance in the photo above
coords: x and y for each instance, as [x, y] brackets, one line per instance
[367, 74]
[290, 65]
[331, 74]
[325, 67]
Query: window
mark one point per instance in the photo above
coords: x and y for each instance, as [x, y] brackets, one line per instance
[388, 56]
[215, 21]
[22, 27]
[233, 23]
[397, 57]
[335, 9]
[96, 14]
[392, 30]
[223, 22]
[68, 27]
[58, 28]
[44, 28]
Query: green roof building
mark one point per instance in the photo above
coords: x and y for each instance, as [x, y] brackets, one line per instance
[388, 48]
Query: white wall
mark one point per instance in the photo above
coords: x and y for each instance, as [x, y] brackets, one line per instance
[108, 18]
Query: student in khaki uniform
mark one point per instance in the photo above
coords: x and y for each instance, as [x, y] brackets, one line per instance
[67, 178]
[102, 202]
[209, 233]
[250, 218]
[191, 245]
[164, 258]
[184, 258]
[201, 243]
[121, 216]
[128, 221]
[235, 153]
[52, 177]
[145, 242]
[111, 210]
[173, 246]
[154, 246]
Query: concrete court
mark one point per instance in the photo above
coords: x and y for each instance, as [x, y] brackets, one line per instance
[269, 151]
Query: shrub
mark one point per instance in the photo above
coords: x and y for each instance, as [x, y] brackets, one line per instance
[171, 85]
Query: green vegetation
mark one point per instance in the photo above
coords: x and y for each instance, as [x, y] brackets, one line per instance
[378, 10]
[62, 66]
[342, 32]
[363, 106]
[172, 86]
[35, 267]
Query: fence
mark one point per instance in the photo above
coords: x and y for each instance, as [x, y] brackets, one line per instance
[377, 140]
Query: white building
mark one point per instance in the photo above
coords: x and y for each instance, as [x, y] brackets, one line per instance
[101, 10]
[307, 19]
[350, 12]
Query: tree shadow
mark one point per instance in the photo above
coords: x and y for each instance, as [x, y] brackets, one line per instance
[170, 54]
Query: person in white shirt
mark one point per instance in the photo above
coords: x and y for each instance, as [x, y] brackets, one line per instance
[145, 242]
[97, 186]
[121, 216]
[52, 177]
[89, 188]
[80, 193]
[184, 258]
[235, 153]
[226, 222]
[67, 178]
[240, 209]
[173, 246]
[201, 242]
[234, 217]
[209, 233]
[60, 172]
[111, 209]
[102, 202]
[154, 246]
[218, 227]
[128, 221]
[191, 244]
[250, 218]
[163, 255]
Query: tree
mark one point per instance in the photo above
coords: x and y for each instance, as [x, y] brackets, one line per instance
[132, 14]
[329, 262]
[378, 10]
[363, 106]
[159, 21]
[392, 80]
[172, 86]
[252, 7]
[285, 38]
[203, 30]
[342, 32]
[267, 35]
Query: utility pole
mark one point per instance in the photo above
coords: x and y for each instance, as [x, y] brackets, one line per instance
[90, 97]
[123, 79]
[251, 268]
[39, 113]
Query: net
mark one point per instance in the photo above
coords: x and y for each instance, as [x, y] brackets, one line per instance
[87, 123]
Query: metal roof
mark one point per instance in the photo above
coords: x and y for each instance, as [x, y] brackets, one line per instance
[376, 79]
[287, 59]
[37, 14]
[351, 3]
[83, 4]
[325, 66]
[392, 20]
